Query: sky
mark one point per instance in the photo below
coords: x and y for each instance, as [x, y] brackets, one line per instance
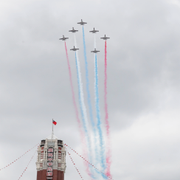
[143, 82]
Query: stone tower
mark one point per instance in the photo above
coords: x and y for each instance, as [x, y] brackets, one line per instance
[51, 160]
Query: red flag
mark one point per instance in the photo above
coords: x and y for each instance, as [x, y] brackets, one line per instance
[54, 122]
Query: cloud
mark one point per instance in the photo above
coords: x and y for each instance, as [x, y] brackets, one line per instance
[176, 2]
[151, 143]
[143, 81]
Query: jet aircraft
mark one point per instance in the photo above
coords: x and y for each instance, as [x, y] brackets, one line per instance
[105, 37]
[82, 22]
[73, 30]
[94, 30]
[74, 49]
[63, 38]
[95, 51]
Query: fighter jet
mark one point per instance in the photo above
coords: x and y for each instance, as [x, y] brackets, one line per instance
[74, 49]
[73, 30]
[63, 38]
[95, 51]
[94, 31]
[105, 37]
[82, 22]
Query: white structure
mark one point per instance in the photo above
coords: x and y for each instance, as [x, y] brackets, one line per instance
[51, 160]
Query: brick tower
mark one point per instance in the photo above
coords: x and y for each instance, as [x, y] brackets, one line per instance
[51, 160]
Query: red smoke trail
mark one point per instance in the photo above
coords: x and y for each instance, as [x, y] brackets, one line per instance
[108, 155]
[72, 90]
[87, 161]
[76, 111]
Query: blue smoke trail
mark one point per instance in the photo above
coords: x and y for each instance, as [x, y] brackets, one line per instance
[87, 82]
[101, 141]
[82, 106]
[81, 99]
[89, 97]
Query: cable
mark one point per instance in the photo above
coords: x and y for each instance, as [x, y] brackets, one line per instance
[19, 157]
[88, 162]
[75, 165]
[27, 165]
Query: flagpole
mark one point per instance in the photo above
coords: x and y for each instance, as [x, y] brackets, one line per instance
[52, 130]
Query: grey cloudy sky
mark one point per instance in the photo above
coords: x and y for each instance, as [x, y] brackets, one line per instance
[143, 82]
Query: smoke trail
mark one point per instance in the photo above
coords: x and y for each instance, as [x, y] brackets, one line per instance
[72, 91]
[75, 107]
[108, 155]
[96, 144]
[87, 85]
[101, 141]
[89, 97]
[82, 107]
[94, 40]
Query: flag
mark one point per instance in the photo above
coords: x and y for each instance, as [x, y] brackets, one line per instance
[54, 122]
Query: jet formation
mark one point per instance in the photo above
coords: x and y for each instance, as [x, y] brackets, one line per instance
[74, 49]
[105, 37]
[82, 22]
[95, 51]
[63, 38]
[92, 31]
[73, 30]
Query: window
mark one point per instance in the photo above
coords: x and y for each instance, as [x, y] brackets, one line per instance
[59, 154]
[50, 150]
[49, 173]
[50, 164]
[50, 169]
[50, 159]
[50, 155]
[42, 154]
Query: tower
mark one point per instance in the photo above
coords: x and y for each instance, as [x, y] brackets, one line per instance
[51, 160]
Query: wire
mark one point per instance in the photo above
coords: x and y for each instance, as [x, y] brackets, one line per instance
[88, 162]
[19, 157]
[75, 165]
[27, 165]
